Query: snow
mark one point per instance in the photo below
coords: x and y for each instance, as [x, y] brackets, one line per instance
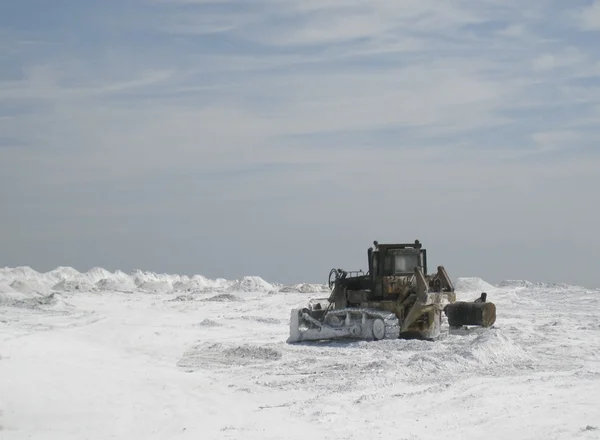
[472, 284]
[101, 355]
[67, 279]
[250, 284]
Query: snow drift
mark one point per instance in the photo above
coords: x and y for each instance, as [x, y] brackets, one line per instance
[24, 279]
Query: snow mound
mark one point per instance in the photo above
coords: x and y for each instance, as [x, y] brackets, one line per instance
[219, 283]
[488, 349]
[54, 301]
[155, 286]
[62, 273]
[493, 347]
[250, 284]
[29, 286]
[68, 279]
[21, 277]
[20, 272]
[472, 284]
[119, 282]
[199, 283]
[79, 283]
[150, 281]
[96, 274]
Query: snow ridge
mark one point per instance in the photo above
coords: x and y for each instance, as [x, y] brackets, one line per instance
[24, 279]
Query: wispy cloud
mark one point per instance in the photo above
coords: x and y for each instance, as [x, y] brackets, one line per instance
[589, 16]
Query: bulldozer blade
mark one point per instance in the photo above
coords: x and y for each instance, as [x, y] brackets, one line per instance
[318, 331]
[352, 323]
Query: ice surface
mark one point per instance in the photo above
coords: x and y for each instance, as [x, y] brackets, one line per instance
[157, 356]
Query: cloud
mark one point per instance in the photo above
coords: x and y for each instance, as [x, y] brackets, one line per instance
[558, 139]
[589, 17]
[310, 23]
[567, 57]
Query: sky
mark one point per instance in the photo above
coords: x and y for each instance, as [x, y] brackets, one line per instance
[279, 138]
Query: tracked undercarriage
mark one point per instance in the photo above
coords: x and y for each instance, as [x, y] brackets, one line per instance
[395, 299]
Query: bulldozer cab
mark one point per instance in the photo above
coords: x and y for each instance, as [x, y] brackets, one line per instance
[392, 268]
[398, 260]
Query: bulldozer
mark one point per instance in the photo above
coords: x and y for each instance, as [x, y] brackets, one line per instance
[396, 298]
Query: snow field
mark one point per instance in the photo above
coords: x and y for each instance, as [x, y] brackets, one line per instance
[110, 355]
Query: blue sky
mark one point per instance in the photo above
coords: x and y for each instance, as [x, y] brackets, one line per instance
[280, 138]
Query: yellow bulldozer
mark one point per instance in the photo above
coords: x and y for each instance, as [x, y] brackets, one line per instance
[396, 298]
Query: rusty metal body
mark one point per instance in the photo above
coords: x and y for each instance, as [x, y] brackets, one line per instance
[395, 298]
